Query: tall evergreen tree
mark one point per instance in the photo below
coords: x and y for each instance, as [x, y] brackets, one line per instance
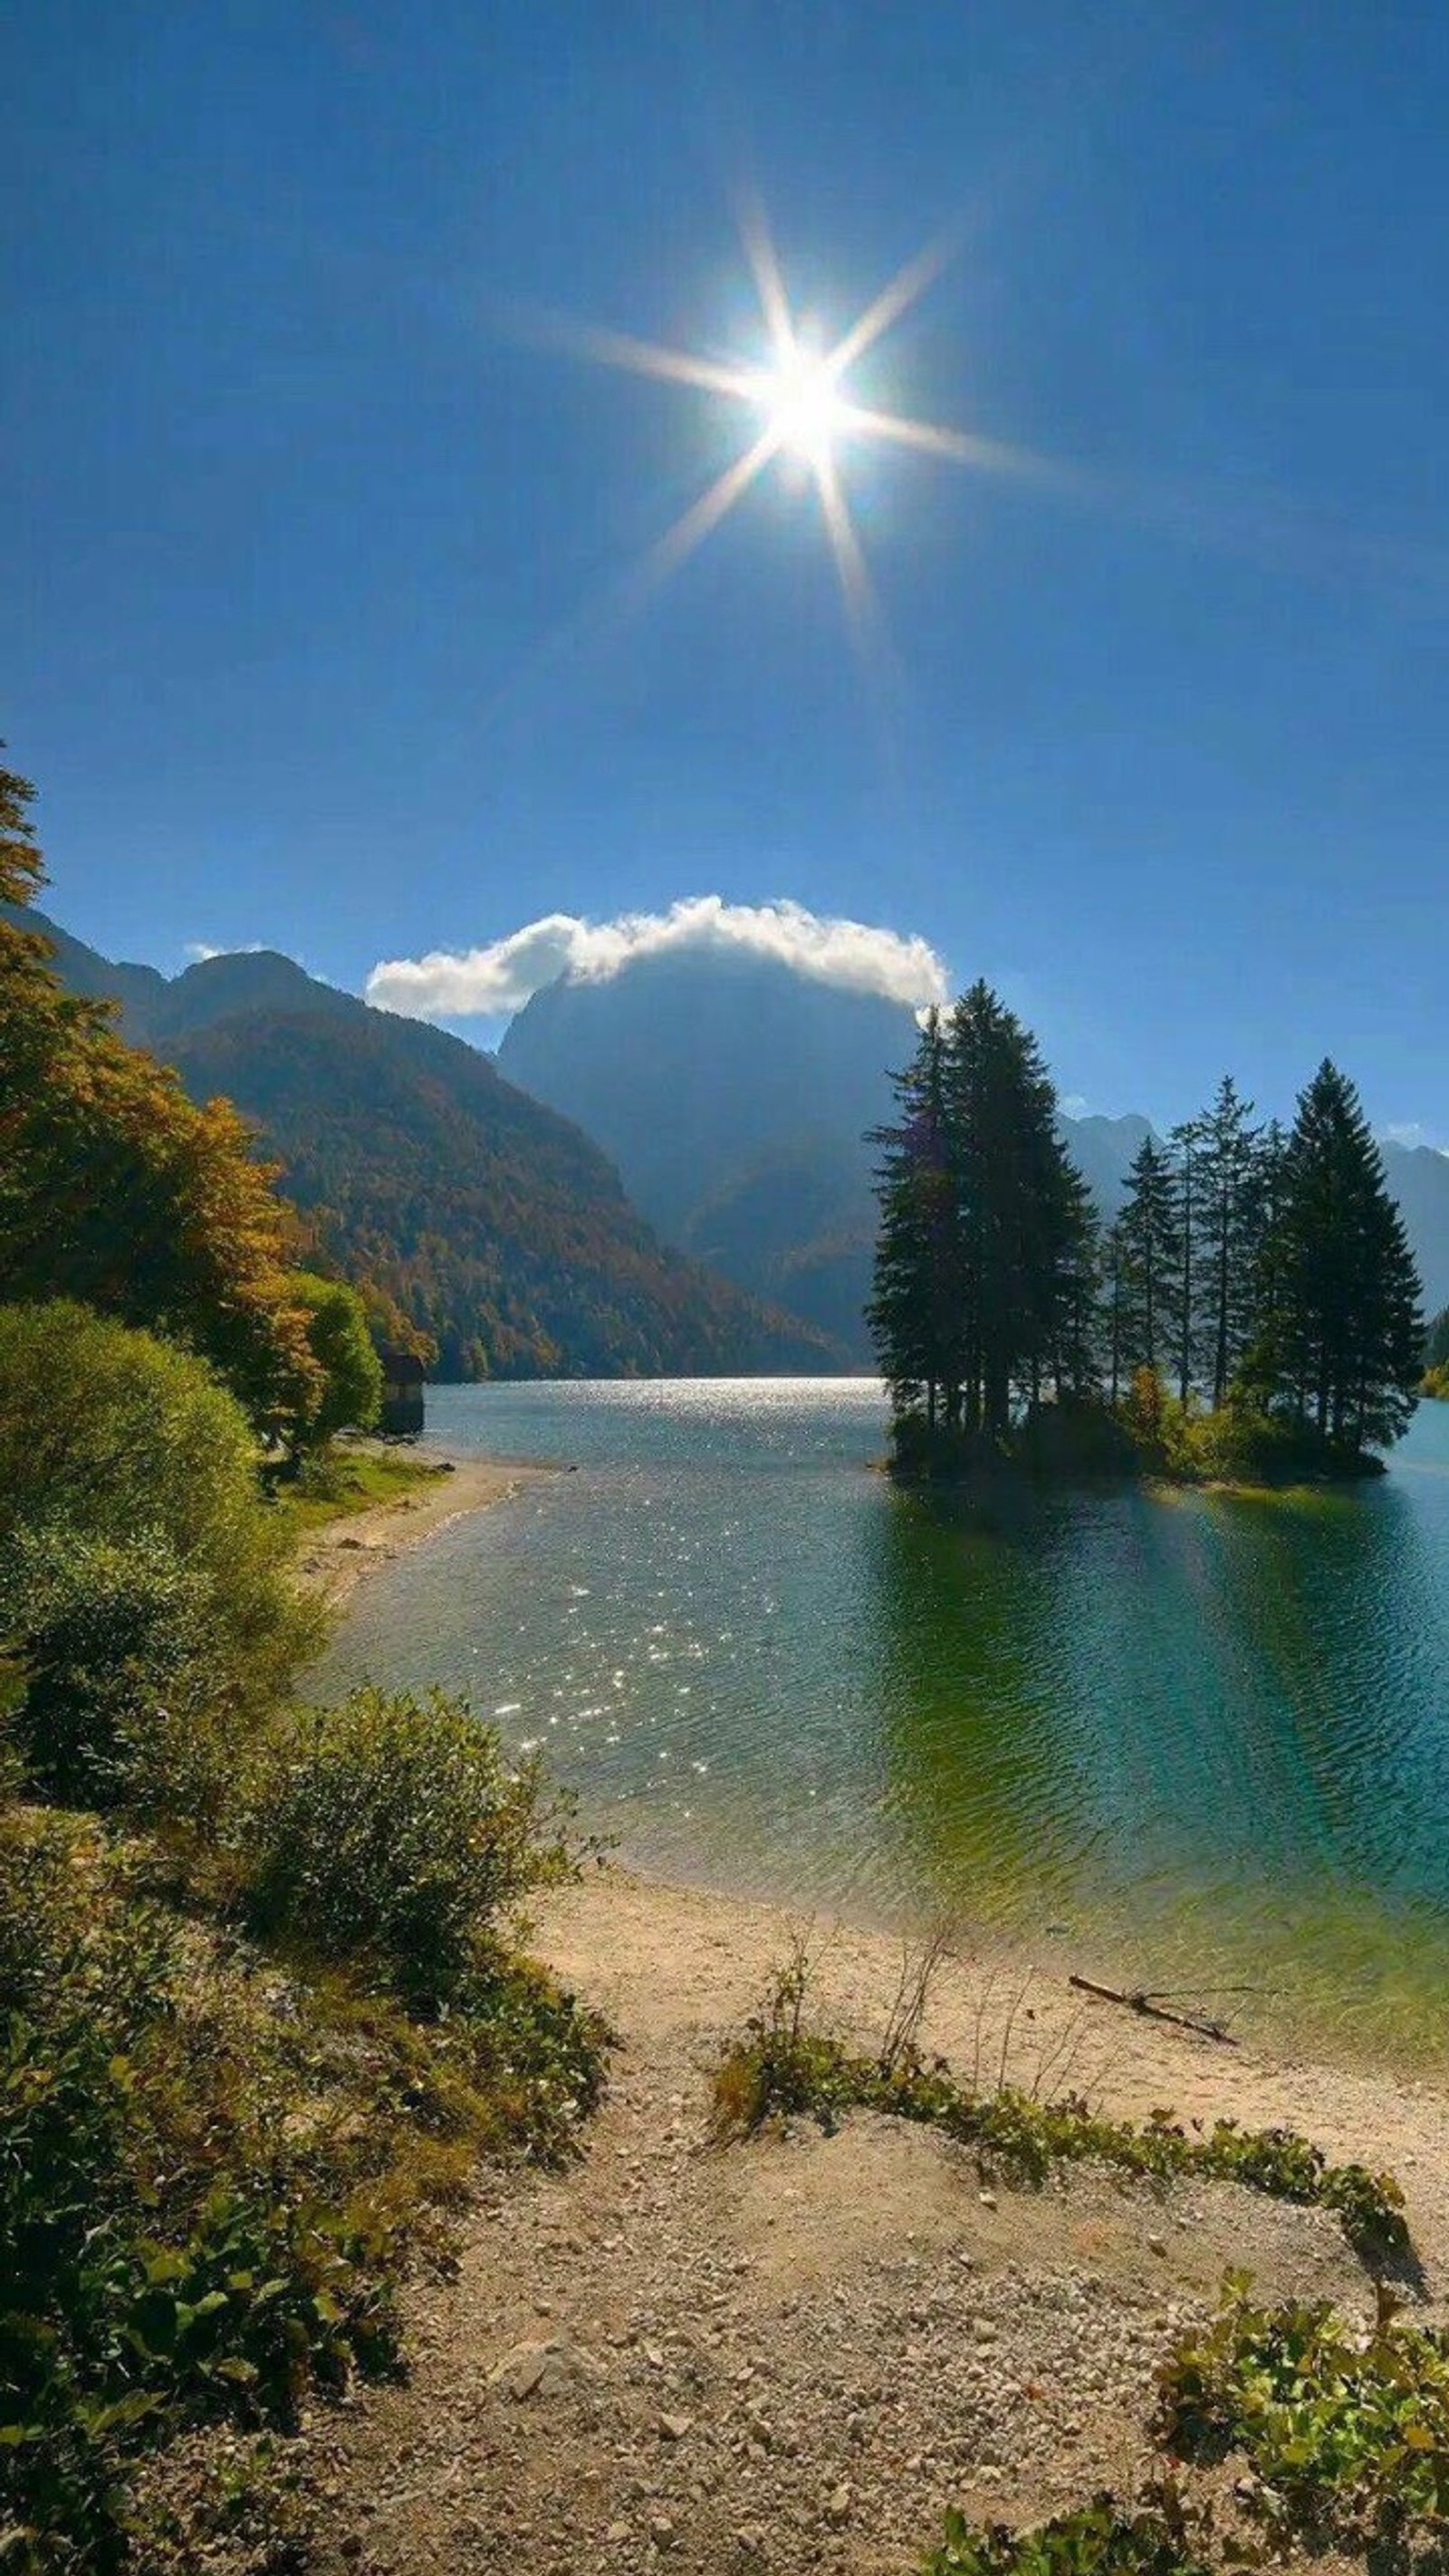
[1341, 1332]
[1230, 1195]
[1114, 1310]
[1023, 1207]
[913, 1312]
[983, 1277]
[1187, 1142]
[1077, 1346]
[1149, 1239]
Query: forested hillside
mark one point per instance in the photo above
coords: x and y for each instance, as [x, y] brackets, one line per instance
[493, 1224]
[496, 1226]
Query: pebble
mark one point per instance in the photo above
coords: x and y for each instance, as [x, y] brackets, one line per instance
[931, 2372]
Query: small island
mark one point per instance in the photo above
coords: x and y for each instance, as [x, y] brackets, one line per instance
[1250, 1315]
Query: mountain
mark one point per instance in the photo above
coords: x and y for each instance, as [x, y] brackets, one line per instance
[734, 1093]
[735, 1096]
[495, 1224]
[140, 990]
[156, 1008]
[1419, 1180]
[1104, 1150]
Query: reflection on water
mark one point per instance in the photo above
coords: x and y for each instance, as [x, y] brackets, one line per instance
[1207, 1734]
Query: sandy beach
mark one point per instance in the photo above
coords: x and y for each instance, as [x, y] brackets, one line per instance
[799, 2350]
[336, 1558]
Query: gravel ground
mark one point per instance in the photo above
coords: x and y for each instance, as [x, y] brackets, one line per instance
[790, 2354]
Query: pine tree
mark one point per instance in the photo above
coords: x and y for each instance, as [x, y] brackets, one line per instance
[1341, 1331]
[1022, 1204]
[1187, 1141]
[984, 1259]
[1230, 1187]
[1148, 1235]
[1077, 1348]
[1114, 1311]
[913, 1310]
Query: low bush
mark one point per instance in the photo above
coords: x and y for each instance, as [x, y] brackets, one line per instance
[395, 1829]
[779, 2065]
[1076, 1438]
[212, 2173]
[1343, 2427]
[112, 1639]
[1103, 2538]
[145, 1606]
[165, 2251]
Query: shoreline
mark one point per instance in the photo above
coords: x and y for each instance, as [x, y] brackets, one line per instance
[336, 1558]
[801, 2348]
[653, 1952]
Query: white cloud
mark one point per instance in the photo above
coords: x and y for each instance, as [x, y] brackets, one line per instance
[494, 981]
[201, 952]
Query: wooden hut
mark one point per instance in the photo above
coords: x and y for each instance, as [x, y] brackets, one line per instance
[403, 1379]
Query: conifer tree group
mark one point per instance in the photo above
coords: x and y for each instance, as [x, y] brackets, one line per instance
[984, 1286]
[1247, 1268]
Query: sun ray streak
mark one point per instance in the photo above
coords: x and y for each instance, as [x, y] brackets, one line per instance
[689, 532]
[765, 270]
[651, 358]
[905, 287]
[632, 590]
[857, 589]
[957, 446]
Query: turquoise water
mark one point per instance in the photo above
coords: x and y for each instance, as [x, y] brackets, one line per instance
[1196, 1739]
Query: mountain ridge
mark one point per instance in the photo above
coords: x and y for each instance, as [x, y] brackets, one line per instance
[496, 1225]
[773, 1196]
[780, 1198]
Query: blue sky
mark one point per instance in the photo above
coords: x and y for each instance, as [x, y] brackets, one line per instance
[310, 535]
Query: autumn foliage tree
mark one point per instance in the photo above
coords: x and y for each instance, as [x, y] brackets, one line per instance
[117, 1191]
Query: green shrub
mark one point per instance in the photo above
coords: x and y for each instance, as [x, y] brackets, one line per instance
[779, 2065]
[212, 2175]
[142, 1576]
[395, 1828]
[348, 1393]
[1341, 2426]
[1103, 2538]
[166, 2252]
[112, 1638]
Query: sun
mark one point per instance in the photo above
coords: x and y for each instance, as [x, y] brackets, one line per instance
[803, 413]
[803, 408]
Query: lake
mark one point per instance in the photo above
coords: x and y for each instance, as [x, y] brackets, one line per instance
[1180, 1738]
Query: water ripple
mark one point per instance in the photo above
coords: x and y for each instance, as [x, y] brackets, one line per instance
[1205, 1729]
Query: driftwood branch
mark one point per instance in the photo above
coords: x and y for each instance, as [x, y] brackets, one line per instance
[1139, 2000]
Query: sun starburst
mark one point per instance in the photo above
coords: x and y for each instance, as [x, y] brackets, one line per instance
[802, 409]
